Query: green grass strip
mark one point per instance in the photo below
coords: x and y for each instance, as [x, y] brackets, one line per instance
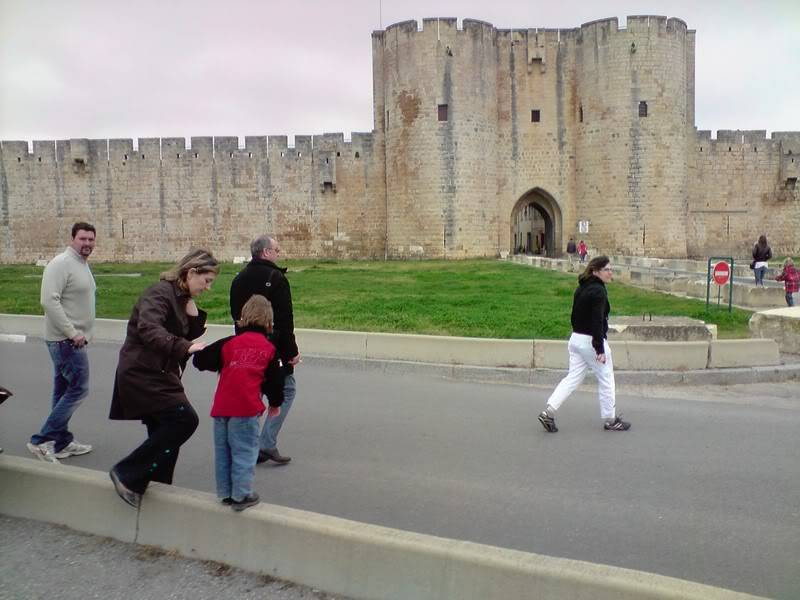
[472, 298]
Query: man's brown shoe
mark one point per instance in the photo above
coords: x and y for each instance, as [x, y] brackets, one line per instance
[273, 455]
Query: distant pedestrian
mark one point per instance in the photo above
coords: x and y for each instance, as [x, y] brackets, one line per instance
[761, 254]
[249, 367]
[571, 248]
[148, 385]
[582, 250]
[67, 297]
[264, 277]
[588, 348]
[790, 277]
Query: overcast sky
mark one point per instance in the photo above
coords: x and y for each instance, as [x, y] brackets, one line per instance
[163, 68]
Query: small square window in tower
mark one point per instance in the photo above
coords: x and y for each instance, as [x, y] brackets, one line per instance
[642, 108]
[442, 112]
[536, 116]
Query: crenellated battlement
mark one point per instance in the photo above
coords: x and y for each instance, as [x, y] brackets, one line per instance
[217, 148]
[727, 140]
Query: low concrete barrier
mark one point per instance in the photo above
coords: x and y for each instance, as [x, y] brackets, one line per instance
[780, 324]
[676, 276]
[332, 554]
[477, 352]
[743, 353]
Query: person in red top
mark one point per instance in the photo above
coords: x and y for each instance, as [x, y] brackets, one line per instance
[790, 277]
[582, 250]
[248, 366]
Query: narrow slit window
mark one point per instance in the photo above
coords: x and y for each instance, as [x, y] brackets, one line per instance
[442, 112]
[580, 114]
[536, 115]
[358, 155]
[642, 108]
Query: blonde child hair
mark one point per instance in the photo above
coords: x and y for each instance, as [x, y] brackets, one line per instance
[788, 262]
[257, 312]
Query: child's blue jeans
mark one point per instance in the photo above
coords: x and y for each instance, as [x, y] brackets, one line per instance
[235, 454]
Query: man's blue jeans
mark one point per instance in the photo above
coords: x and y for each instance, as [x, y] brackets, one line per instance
[269, 433]
[70, 387]
[235, 454]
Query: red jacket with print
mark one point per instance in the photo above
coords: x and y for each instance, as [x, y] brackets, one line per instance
[790, 278]
[248, 367]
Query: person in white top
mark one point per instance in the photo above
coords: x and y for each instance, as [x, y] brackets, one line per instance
[68, 300]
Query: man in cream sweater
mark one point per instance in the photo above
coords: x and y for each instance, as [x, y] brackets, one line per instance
[67, 297]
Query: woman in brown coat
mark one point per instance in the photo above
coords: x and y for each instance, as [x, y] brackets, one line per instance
[148, 381]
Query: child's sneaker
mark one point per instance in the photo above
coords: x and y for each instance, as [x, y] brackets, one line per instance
[617, 425]
[246, 502]
[46, 451]
[548, 422]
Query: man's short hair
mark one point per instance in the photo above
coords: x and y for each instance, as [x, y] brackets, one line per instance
[261, 243]
[81, 225]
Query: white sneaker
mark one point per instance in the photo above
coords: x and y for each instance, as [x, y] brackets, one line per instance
[74, 448]
[44, 451]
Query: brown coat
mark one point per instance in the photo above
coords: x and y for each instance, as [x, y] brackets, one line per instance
[152, 359]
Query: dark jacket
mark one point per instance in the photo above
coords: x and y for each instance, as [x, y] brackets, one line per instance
[260, 374]
[761, 254]
[154, 354]
[267, 279]
[590, 310]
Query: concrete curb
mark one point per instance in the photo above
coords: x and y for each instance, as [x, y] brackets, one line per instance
[511, 361]
[549, 377]
[333, 554]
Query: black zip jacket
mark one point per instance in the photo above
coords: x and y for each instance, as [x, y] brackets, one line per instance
[269, 280]
[590, 310]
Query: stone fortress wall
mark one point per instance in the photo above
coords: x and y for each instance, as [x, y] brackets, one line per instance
[471, 127]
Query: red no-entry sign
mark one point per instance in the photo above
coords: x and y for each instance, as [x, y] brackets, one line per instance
[721, 273]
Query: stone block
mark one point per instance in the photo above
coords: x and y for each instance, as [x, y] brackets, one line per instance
[751, 352]
[779, 324]
[450, 350]
[677, 356]
[550, 354]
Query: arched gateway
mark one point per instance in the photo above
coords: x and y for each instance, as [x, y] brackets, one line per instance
[536, 226]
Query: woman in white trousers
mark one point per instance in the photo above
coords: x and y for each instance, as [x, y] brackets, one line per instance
[588, 348]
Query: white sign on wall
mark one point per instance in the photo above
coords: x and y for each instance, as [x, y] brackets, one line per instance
[583, 226]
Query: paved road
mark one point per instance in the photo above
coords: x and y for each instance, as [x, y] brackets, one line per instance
[706, 486]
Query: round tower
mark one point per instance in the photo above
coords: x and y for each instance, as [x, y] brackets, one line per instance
[635, 115]
[435, 101]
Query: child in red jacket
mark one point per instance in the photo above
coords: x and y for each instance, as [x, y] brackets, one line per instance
[249, 367]
[791, 280]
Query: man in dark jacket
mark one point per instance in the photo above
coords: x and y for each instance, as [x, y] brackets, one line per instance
[262, 276]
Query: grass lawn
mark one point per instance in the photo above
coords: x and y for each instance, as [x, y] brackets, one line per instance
[474, 298]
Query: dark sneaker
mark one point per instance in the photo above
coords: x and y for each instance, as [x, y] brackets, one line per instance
[246, 502]
[226, 501]
[548, 422]
[617, 425]
[273, 455]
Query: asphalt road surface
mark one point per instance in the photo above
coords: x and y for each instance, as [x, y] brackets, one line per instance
[705, 486]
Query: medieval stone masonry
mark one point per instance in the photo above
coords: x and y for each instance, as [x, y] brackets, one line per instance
[485, 141]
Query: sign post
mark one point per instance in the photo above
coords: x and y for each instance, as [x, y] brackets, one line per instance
[720, 274]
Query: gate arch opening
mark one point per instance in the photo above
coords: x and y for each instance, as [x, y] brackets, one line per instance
[536, 226]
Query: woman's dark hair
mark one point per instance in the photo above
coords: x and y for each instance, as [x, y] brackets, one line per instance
[597, 263]
[762, 241]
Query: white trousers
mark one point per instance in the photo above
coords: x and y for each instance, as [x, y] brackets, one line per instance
[582, 357]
